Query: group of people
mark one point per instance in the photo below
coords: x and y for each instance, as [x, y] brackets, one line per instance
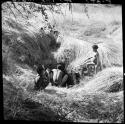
[59, 76]
[56, 77]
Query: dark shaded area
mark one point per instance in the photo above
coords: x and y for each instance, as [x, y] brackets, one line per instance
[31, 51]
[16, 107]
[116, 87]
[50, 91]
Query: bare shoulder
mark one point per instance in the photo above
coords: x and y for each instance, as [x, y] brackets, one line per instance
[97, 53]
[37, 78]
[54, 70]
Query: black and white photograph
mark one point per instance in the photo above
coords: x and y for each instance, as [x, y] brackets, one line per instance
[62, 61]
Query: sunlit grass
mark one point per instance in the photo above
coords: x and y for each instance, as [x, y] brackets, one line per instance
[90, 101]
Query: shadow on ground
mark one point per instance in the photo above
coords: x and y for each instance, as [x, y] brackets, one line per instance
[55, 92]
[50, 91]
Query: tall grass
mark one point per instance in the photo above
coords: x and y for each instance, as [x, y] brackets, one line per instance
[98, 28]
[18, 105]
[23, 45]
[25, 41]
[81, 106]
[76, 52]
[108, 80]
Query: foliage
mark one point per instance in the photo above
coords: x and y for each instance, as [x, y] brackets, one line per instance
[23, 41]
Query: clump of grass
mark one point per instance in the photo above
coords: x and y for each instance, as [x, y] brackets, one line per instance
[97, 106]
[108, 80]
[12, 101]
[95, 28]
[71, 49]
[76, 52]
[115, 22]
[28, 46]
[8, 66]
[25, 40]
[85, 107]
[19, 105]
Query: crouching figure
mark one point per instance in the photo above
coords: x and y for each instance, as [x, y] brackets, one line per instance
[61, 78]
[41, 82]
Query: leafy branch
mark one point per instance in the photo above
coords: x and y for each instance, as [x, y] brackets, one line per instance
[17, 9]
[11, 10]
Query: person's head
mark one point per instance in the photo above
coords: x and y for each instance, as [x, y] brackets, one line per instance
[35, 67]
[41, 28]
[77, 75]
[40, 70]
[51, 72]
[95, 47]
[56, 34]
[48, 69]
[59, 66]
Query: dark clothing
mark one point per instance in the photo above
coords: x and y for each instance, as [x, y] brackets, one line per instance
[75, 78]
[69, 81]
[41, 83]
[96, 58]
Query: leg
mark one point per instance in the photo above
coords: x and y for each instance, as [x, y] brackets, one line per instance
[97, 69]
[64, 80]
[95, 72]
[74, 78]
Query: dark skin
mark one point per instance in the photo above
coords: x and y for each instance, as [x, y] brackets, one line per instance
[56, 34]
[42, 82]
[95, 59]
[94, 50]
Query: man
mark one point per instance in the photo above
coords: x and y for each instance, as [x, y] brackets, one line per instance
[56, 34]
[93, 61]
[96, 59]
[57, 75]
[41, 81]
[51, 77]
[49, 74]
[67, 80]
[60, 77]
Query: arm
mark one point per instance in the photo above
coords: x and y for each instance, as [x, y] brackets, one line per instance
[88, 59]
[97, 58]
[36, 78]
[64, 79]
[60, 76]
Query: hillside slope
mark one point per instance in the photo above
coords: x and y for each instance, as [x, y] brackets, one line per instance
[24, 45]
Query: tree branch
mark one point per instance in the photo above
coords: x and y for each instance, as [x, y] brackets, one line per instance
[11, 10]
[25, 8]
[17, 9]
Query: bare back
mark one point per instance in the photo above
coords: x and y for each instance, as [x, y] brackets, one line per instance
[57, 76]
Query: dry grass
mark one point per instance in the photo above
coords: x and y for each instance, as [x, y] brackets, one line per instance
[23, 46]
[24, 42]
[18, 105]
[96, 106]
[102, 27]
[108, 80]
[82, 106]
[75, 52]
[61, 104]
